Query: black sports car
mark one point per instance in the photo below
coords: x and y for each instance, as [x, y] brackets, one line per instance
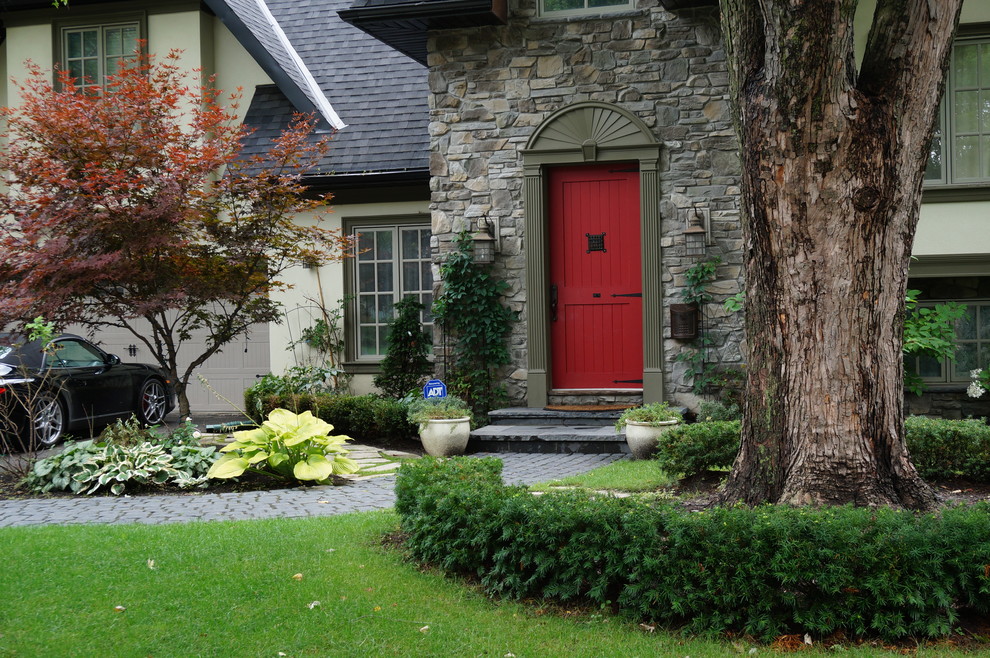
[70, 384]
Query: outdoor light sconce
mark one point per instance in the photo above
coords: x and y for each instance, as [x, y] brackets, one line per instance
[683, 321]
[696, 233]
[486, 241]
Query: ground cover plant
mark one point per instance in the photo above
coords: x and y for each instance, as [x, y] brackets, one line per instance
[293, 587]
[123, 457]
[763, 571]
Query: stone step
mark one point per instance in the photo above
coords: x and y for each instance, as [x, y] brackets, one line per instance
[537, 416]
[585, 396]
[561, 439]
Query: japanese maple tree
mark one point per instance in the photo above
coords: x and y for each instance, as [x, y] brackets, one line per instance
[134, 205]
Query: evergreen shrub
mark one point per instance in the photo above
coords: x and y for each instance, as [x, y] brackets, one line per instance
[943, 448]
[940, 448]
[763, 571]
[406, 364]
[361, 417]
[696, 448]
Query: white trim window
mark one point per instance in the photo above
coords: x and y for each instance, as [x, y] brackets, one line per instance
[580, 7]
[960, 149]
[91, 53]
[972, 348]
[391, 263]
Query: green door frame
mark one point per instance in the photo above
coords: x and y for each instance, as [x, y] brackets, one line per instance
[588, 133]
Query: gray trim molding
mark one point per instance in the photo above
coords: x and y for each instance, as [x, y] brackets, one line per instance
[950, 265]
[591, 132]
[352, 361]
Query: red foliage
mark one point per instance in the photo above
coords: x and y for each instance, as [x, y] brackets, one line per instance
[136, 201]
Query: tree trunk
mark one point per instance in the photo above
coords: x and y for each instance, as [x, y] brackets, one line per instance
[833, 164]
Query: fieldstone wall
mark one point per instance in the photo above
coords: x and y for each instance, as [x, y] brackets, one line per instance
[492, 87]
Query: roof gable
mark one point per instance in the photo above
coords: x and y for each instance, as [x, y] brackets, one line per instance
[253, 24]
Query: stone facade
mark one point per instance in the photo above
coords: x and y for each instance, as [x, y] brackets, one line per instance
[492, 87]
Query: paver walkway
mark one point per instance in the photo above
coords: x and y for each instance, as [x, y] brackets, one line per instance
[361, 495]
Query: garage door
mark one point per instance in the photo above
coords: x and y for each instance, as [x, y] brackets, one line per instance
[230, 372]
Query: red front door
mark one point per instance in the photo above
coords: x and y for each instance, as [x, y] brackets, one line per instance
[596, 313]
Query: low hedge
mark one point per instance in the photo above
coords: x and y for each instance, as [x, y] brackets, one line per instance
[938, 447]
[696, 448]
[943, 448]
[763, 571]
[361, 417]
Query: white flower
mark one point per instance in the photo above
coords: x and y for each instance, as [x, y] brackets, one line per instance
[197, 434]
[975, 373]
[975, 390]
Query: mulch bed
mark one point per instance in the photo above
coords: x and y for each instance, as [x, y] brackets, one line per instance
[247, 482]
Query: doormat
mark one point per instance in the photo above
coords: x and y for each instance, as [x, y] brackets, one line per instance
[588, 407]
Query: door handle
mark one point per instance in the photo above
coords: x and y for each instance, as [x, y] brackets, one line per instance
[628, 294]
[553, 303]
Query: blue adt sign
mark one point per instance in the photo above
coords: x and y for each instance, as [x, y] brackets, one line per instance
[435, 389]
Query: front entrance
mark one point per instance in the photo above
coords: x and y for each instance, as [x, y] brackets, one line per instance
[596, 305]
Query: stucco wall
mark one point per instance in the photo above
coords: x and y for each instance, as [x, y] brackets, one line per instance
[325, 285]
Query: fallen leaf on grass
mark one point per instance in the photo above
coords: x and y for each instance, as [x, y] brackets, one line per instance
[314, 604]
[424, 629]
[119, 608]
[151, 564]
[649, 628]
[298, 576]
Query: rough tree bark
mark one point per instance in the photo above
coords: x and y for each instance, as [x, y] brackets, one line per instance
[833, 164]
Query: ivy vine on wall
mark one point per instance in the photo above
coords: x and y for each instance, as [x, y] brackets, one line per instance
[472, 316]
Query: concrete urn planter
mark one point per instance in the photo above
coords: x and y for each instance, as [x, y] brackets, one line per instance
[445, 437]
[642, 437]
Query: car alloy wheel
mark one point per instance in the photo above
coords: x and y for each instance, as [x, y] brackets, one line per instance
[49, 420]
[153, 402]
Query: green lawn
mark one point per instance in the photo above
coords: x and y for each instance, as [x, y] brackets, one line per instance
[624, 475]
[228, 589]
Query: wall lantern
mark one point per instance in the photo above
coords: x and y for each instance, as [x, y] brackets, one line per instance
[696, 233]
[485, 241]
[683, 321]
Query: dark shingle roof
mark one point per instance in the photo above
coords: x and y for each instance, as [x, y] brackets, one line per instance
[380, 94]
[254, 26]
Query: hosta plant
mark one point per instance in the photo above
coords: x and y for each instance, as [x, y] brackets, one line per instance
[89, 466]
[288, 445]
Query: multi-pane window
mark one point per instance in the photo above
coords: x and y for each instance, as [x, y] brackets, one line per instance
[92, 53]
[392, 262]
[972, 348]
[581, 6]
[960, 150]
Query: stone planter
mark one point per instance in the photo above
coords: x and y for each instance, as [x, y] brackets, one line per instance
[445, 437]
[642, 437]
